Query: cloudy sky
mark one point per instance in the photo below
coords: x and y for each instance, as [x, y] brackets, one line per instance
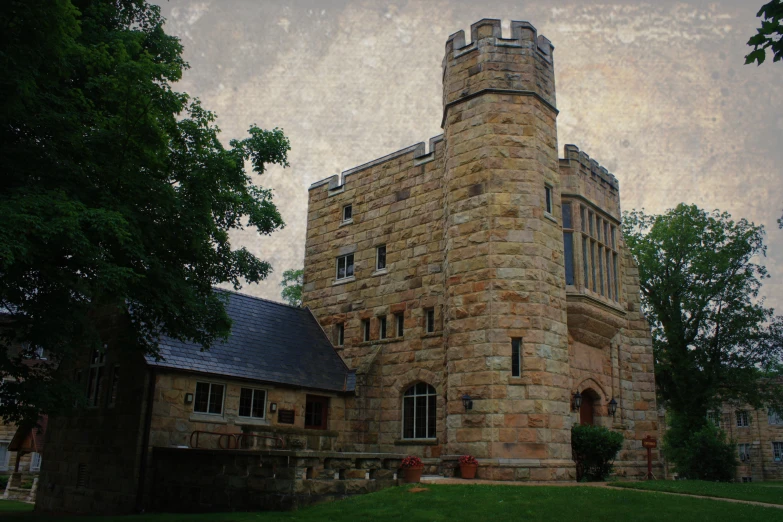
[656, 92]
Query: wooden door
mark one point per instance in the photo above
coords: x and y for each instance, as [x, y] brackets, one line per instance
[586, 411]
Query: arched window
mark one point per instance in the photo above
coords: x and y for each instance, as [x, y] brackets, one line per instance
[418, 412]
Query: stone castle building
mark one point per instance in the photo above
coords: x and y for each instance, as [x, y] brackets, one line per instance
[477, 286]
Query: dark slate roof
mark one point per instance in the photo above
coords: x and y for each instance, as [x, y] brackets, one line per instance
[269, 342]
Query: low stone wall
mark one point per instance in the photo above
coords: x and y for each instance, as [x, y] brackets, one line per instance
[15, 491]
[189, 480]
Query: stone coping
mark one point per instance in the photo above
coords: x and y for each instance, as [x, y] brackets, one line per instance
[282, 453]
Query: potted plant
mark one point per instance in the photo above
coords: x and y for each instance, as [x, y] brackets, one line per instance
[467, 466]
[411, 469]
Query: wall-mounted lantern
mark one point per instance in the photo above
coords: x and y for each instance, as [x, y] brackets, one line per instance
[188, 398]
[612, 407]
[577, 401]
[467, 402]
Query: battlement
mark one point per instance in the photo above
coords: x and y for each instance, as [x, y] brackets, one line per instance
[523, 34]
[573, 154]
[420, 156]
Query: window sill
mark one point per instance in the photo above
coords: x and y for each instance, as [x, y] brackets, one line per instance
[432, 334]
[343, 281]
[380, 272]
[388, 340]
[206, 417]
[346, 223]
[550, 217]
[416, 442]
[252, 421]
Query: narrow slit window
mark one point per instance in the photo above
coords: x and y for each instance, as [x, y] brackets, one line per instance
[366, 329]
[114, 385]
[592, 263]
[585, 262]
[347, 213]
[382, 326]
[567, 215]
[568, 251]
[400, 320]
[430, 320]
[608, 274]
[600, 272]
[516, 357]
[548, 198]
[340, 334]
[616, 284]
[583, 217]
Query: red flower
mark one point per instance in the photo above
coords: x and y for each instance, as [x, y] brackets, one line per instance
[468, 459]
[411, 462]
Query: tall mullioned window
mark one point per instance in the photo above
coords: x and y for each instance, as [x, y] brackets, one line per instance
[599, 253]
[568, 243]
[419, 412]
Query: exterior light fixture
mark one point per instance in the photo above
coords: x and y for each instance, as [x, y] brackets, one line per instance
[577, 401]
[612, 407]
[273, 407]
[188, 398]
[467, 402]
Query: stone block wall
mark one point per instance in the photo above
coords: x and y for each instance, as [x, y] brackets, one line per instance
[173, 421]
[760, 434]
[188, 480]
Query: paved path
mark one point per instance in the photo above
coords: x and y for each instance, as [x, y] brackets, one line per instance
[432, 479]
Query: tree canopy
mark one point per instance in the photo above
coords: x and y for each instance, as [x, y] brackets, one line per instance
[769, 35]
[118, 198]
[713, 338]
[292, 286]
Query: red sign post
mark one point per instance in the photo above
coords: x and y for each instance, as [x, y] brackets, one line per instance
[649, 442]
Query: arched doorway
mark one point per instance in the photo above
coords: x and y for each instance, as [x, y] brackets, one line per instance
[587, 412]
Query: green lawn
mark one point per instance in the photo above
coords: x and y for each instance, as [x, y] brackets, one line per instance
[13, 505]
[770, 492]
[479, 503]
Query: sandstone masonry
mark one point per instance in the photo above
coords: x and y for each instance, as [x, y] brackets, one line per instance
[484, 267]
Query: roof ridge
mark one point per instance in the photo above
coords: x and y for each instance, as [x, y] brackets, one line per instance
[240, 294]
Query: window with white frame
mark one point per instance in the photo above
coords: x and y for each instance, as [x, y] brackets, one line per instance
[344, 267]
[35, 461]
[777, 451]
[743, 419]
[252, 403]
[380, 257]
[714, 418]
[4, 455]
[744, 452]
[347, 213]
[419, 412]
[209, 398]
[775, 417]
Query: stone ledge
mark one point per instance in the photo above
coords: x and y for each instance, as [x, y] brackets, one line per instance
[416, 442]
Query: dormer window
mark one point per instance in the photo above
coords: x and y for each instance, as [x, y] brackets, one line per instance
[348, 213]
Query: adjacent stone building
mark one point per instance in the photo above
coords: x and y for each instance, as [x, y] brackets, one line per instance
[476, 286]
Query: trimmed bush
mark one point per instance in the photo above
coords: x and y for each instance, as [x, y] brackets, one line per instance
[703, 454]
[594, 449]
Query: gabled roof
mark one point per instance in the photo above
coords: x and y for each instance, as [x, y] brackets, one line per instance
[269, 342]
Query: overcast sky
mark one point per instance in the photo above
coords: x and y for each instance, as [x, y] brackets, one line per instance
[656, 92]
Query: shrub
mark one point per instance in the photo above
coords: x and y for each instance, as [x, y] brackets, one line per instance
[594, 449]
[703, 453]
[3, 481]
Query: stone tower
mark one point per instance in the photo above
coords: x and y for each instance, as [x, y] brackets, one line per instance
[505, 280]
[483, 267]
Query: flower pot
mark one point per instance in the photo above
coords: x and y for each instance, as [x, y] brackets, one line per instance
[468, 471]
[412, 475]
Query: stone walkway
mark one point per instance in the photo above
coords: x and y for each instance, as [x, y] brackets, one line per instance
[434, 479]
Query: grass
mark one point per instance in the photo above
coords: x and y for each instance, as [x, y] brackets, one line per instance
[770, 492]
[446, 503]
[7, 506]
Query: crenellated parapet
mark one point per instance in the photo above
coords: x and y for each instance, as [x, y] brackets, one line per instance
[573, 154]
[420, 152]
[521, 65]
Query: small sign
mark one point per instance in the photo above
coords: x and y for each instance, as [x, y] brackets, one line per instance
[649, 442]
[285, 416]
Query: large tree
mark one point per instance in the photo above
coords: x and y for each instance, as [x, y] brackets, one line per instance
[713, 338]
[292, 286]
[117, 197]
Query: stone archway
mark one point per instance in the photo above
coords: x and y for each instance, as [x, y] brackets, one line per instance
[587, 412]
